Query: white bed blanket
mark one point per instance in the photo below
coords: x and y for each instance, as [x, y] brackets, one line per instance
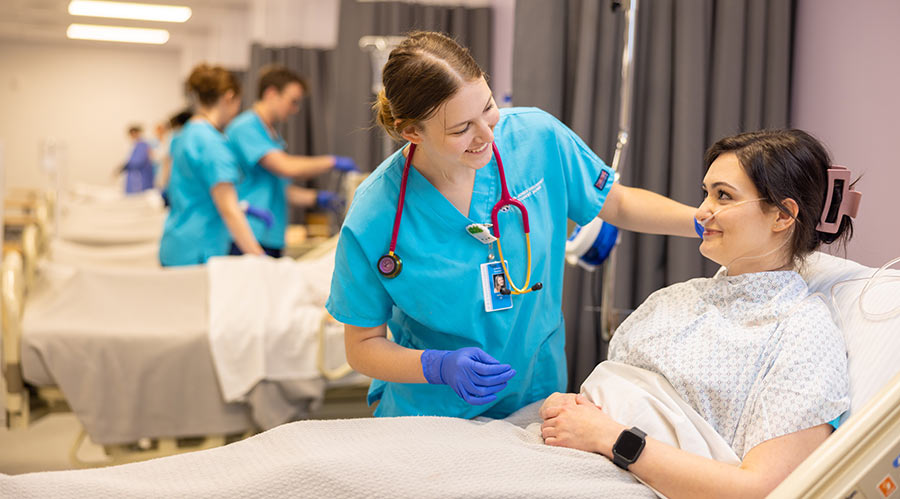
[642, 398]
[265, 315]
[389, 457]
[404, 457]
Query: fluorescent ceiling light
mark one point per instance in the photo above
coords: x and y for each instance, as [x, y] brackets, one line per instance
[117, 34]
[128, 10]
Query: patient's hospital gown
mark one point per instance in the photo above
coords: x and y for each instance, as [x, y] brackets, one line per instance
[754, 354]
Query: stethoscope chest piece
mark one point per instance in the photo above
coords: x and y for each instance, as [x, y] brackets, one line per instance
[390, 265]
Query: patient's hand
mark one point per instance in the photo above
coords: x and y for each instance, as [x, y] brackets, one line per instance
[557, 400]
[582, 426]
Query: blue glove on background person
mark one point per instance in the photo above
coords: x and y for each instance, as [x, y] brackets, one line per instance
[473, 374]
[261, 213]
[328, 200]
[345, 164]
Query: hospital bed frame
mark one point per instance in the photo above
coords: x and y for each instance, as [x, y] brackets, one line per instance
[26, 404]
[860, 460]
[31, 208]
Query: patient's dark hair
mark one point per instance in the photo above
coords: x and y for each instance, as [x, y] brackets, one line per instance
[786, 164]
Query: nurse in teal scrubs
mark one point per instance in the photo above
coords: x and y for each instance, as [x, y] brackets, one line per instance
[268, 168]
[204, 215]
[461, 346]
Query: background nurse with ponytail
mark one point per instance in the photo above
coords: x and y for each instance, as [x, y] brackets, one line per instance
[204, 216]
[458, 347]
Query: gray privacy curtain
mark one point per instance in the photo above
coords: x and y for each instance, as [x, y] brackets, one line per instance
[704, 69]
[355, 134]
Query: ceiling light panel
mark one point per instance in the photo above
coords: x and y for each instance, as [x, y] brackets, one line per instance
[128, 10]
[117, 34]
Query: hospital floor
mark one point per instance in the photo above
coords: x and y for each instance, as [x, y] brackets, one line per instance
[45, 446]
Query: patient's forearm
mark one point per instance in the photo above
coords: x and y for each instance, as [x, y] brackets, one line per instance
[379, 358]
[677, 473]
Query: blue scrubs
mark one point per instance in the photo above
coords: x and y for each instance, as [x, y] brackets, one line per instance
[437, 302]
[251, 140]
[194, 230]
[139, 169]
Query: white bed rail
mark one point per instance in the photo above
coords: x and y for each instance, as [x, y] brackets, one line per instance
[12, 291]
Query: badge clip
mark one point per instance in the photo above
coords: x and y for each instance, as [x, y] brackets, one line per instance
[481, 232]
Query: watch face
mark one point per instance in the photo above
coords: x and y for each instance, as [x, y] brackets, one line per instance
[628, 445]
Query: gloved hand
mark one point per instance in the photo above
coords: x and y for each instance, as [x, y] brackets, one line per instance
[473, 374]
[261, 213]
[328, 200]
[345, 164]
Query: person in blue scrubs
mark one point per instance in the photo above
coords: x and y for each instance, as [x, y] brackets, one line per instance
[139, 167]
[267, 167]
[449, 355]
[176, 123]
[204, 216]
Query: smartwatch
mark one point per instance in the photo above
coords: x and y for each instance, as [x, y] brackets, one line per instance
[628, 447]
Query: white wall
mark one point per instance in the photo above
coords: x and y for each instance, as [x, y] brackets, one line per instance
[85, 95]
[847, 93]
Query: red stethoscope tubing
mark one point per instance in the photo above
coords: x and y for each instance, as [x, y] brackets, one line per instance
[505, 199]
[390, 265]
[409, 155]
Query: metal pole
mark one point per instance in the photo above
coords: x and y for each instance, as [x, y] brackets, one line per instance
[379, 48]
[630, 8]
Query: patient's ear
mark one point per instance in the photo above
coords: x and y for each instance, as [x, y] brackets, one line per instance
[784, 221]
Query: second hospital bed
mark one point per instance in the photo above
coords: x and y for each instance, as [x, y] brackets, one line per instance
[129, 351]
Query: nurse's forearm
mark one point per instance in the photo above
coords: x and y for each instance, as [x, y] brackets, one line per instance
[301, 196]
[371, 353]
[641, 210]
[225, 198]
[289, 165]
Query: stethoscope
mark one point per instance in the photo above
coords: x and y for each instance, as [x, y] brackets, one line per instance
[390, 264]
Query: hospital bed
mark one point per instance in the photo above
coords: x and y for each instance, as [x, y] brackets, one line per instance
[447, 457]
[127, 351]
[104, 221]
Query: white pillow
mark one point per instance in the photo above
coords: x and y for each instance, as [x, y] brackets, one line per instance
[873, 346]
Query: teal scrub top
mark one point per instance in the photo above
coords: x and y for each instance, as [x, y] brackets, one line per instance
[437, 302]
[251, 140]
[194, 230]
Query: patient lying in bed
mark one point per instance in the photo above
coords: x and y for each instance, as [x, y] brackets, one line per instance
[749, 350]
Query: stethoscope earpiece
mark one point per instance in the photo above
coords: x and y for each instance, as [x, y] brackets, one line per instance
[390, 265]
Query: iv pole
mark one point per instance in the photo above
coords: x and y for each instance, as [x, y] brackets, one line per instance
[379, 48]
[629, 8]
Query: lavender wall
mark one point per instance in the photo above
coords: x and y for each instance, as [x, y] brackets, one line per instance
[846, 91]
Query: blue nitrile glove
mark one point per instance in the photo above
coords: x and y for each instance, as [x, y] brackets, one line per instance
[328, 200]
[345, 164]
[261, 213]
[698, 228]
[473, 374]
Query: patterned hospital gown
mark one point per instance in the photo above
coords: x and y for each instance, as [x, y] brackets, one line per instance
[754, 354]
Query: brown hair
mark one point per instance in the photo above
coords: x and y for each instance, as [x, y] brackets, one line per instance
[278, 76]
[786, 164]
[209, 83]
[425, 70]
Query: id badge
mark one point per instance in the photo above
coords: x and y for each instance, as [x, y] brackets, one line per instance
[492, 281]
